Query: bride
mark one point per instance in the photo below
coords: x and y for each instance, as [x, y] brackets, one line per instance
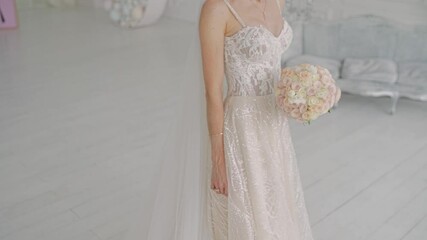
[229, 167]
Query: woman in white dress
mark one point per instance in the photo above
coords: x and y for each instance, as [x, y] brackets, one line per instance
[228, 169]
[256, 189]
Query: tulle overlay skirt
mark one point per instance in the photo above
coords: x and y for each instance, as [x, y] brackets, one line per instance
[265, 197]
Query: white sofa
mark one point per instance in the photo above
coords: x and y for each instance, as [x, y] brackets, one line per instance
[367, 55]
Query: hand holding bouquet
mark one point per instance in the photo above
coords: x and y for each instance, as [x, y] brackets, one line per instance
[306, 92]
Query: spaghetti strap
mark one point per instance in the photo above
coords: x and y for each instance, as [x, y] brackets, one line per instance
[239, 19]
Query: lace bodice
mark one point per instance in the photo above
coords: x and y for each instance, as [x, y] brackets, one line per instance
[252, 58]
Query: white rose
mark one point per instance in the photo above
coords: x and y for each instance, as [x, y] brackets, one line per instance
[316, 77]
[291, 93]
[301, 92]
[323, 93]
[313, 100]
[312, 69]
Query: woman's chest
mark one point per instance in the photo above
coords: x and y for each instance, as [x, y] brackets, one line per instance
[256, 43]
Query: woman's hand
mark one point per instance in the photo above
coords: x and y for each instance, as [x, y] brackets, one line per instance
[219, 177]
[212, 26]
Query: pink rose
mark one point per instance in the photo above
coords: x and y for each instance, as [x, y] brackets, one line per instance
[284, 102]
[304, 75]
[325, 80]
[305, 65]
[317, 84]
[338, 95]
[303, 108]
[331, 101]
[325, 108]
[318, 108]
[321, 70]
[295, 113]
[287, 71]
[311, 91]
[295, 86]
[306, 116]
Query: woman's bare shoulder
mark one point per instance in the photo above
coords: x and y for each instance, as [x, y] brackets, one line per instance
[214, 10]
[282, 3]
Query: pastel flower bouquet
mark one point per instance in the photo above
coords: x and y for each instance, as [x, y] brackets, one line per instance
[305, 92]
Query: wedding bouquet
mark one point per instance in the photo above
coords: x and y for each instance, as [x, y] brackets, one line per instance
[305, 92]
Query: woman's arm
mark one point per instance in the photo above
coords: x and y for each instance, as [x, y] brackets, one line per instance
[211, 31]
[282, 4]
[212, 25]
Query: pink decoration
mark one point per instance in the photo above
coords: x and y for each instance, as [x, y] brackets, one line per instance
[8, 16]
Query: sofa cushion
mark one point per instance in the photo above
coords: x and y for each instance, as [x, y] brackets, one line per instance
[332, 65]
[412, 73]
[369, 69]
[369, 88]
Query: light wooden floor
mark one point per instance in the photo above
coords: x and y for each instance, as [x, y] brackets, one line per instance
[84, 103]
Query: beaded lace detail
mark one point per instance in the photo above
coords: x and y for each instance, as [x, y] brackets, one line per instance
[252, 58]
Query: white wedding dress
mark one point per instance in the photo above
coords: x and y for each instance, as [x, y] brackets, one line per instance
[265, 197]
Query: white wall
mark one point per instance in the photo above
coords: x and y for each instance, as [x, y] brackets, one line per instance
[182, 9]
[406, 11]
[29, 4]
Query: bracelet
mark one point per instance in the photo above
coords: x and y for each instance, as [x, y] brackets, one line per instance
[221, 133]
